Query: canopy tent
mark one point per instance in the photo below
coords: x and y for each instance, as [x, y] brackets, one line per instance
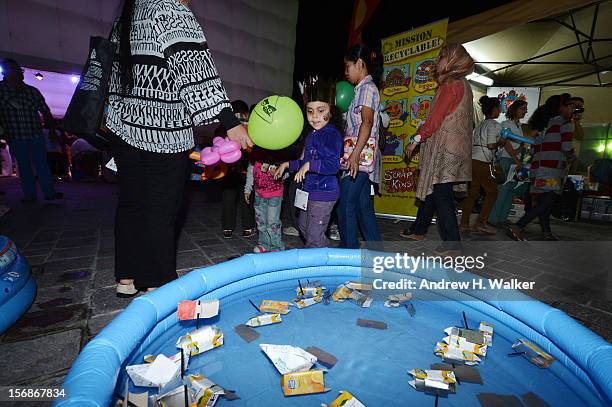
[255, 37]
[558, 46]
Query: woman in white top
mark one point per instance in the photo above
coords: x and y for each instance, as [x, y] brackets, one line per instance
[508, 156]
[485, 140]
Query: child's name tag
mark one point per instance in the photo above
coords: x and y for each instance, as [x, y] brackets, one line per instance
[301, 199]
[111, 165]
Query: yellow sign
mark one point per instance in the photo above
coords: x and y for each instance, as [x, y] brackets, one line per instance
[407, 91]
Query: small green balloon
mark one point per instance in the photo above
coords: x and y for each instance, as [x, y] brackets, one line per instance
[276, 122]
[344, 95]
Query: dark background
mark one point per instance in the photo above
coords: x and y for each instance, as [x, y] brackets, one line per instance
[322, 28]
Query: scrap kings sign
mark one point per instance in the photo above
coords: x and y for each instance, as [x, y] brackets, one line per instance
[408, 87]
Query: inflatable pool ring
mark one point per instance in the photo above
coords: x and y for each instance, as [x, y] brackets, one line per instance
[582, 358]
[508, 134]
[17, 287]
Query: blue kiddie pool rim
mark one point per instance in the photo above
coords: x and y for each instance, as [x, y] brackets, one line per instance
[92, 379]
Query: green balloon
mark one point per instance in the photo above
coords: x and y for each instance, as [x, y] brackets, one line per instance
[276, 122]
[344, 95]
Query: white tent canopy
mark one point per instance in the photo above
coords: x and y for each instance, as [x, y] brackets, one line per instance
[252, 41]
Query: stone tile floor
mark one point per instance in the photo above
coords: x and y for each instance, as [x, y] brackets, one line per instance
[69, 245]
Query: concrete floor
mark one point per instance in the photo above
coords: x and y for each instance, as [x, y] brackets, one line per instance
[70, 246]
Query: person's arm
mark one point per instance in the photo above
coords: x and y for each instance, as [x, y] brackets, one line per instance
[493, 136]
[248, 185]
[191, 66]
[46, 112]
[446, 103]
[567, 134]
[329, 156]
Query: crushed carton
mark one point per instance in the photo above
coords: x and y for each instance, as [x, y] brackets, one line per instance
[266, 319]
[433, 380]
[309, 382]
[463, 344]
[477, 337]
[533, 353]
[274, 307]
[360, 299]
[176, 398]
[309, 291]
[188, 310]
[463, 373]
[289, 359]
[398, 300]
[156, 374]
[341, 293]
[206, 393]
[487, 329]
[453, 354]
[307, 302]
[201, 340]
[345, 399]
[355, 285]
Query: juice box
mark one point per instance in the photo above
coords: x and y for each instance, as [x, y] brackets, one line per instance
[309, 382]
[533, 353]
[274, 307]
[346, 399]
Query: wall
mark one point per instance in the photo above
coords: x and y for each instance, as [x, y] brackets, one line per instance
[253, 41]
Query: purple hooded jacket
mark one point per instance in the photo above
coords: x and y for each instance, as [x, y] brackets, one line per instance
[323, 149]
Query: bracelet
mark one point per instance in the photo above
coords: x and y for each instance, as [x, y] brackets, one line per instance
[416, 139]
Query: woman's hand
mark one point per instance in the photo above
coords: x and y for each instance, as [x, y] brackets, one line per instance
[301, 174]
[247, 198]
[353, 164]
[280, 170]
[409, 149]
[240, 135]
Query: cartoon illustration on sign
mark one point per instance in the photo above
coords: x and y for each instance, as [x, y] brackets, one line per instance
[396, 109]
[393, 144]
[424, 78]
[419, 109]
[506, 99]
[396, 79]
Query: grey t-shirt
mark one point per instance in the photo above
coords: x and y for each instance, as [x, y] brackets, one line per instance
[487, 132]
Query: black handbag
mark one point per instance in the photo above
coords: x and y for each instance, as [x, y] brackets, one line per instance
[86, 109]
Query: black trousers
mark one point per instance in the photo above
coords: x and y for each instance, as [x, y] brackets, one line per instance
[542, 209]
[440, 201]
[233, 198]
[151, 187]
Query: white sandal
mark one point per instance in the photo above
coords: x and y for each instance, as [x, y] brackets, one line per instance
[126, 290]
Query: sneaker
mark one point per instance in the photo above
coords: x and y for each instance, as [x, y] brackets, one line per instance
[484, 228]
[249, 233]
[515, 233]
[126, 290]
[227, 233]
[549, 237]
[259, 249]
[411, 236]
[334, 233]
[291, 231]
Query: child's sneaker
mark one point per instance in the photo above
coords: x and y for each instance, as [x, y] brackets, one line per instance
[246, 233]
[259, 249]
[334, 234]
[291, 231]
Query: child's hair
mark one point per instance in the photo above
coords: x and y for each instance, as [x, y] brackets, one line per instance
[542, 115]
[487, 104]
[371, 58]
[240, 106]
[516, 105]
[458, 64]
[323, 91]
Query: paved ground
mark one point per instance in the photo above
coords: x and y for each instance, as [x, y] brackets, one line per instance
[69, 244]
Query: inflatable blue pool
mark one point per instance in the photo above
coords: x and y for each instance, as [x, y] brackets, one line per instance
[17, 287]
[372, 364]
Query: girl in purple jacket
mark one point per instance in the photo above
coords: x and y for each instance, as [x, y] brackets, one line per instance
[320, 163]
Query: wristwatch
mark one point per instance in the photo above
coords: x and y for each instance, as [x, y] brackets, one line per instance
[416, 139]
